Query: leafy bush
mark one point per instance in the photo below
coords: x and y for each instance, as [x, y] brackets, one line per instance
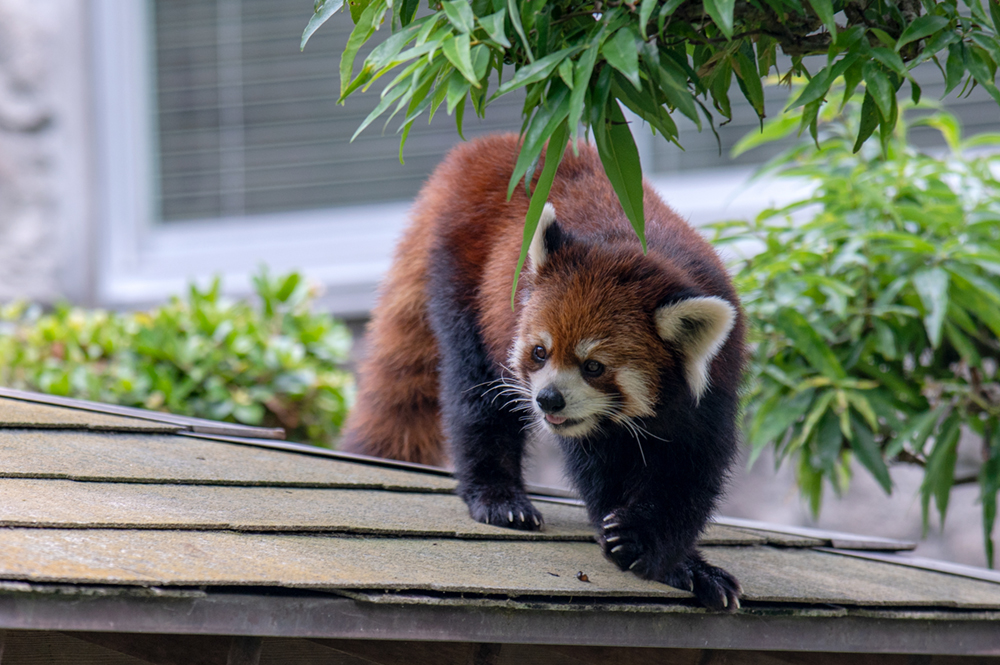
[577, 62]
[272, 363]
[875, 303]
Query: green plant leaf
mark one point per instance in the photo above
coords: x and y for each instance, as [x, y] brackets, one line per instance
[671, 81]
[546, 121]
[324, 11]
[932, 286]
[582, 72]
[459, 14]
[880, 88]
[645, 12]
[656, 116]
[814, 90]
[620, 158]
[939, 474]
[358, 8]
[809, 343]
[621, 53]
[515, 19]
[538, 70]
[923, 26]
[869, 121]
[553, 156]
[459, 53]
[749, 81]
[494, 27]
[868, 453]
[363, 29]
[989, 484]
[824, 10]
[408, 11]
[721, 12]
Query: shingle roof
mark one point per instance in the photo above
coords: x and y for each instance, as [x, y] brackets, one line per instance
[157, 511]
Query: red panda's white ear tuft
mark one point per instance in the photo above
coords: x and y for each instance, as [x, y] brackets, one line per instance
[537, 251]
[699, 326]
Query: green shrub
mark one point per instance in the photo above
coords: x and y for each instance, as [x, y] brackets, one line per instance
[272, 362]
[875, 305]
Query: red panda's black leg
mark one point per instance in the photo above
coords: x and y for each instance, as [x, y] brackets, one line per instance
[485, 432]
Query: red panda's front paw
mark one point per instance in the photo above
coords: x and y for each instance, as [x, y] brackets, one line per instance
[712, 586]
[511, 512]
[623, 545]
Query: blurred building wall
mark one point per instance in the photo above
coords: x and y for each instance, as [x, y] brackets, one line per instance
[44, 203]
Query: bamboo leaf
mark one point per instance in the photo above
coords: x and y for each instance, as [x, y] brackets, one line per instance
[932, 287]
[721, 12]
[546, 121]
[749, 79]
[923, 26]
[581, 82]
[459, 53]
[939, 474]
[621, 53]
[824, 10]
[645, 12]
[515, 19]
[363, 29]
[880, 88]
[553, 156]
[536, 71]
[494, 27]
[323, 13]
[459, 14]
[620, 158]
[869, 121]
[868, 453]
[808, 342]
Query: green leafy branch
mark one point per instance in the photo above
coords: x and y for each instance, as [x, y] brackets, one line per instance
[579, 63]
[875, 309]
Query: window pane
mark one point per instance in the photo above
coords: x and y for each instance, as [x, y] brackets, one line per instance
[248, 124]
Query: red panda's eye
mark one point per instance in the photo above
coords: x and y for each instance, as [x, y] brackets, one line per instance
[592, 368]
[538, 353]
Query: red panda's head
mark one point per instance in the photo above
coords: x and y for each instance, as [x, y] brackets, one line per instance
[600, 327]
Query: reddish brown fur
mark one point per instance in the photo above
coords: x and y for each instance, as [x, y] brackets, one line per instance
[463, 210]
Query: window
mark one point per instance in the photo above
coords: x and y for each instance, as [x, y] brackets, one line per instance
[222, 147]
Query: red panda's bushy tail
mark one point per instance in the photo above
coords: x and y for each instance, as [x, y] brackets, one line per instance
[397, 413]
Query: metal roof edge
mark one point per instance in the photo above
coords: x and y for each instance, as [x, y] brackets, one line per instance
[200, 425]
[317, 615]
[911, 561]
[837, 539]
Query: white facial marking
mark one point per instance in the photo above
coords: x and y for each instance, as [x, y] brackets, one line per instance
[546, 340]
[585, 347]
[639, 397]
[584, 404]
[700, 327]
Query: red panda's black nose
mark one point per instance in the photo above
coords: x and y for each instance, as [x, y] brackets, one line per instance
[550, 399]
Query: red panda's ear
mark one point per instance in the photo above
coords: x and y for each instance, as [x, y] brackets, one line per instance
[546, 234]
[699, 326]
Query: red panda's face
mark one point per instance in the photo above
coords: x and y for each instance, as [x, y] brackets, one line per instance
[600, 326]
[588, 352]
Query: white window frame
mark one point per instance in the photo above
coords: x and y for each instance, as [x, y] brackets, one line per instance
[141, 261]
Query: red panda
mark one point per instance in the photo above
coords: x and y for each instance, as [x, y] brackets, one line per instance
[633, 361]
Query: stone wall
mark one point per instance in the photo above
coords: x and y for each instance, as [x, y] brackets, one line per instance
[43, 203]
